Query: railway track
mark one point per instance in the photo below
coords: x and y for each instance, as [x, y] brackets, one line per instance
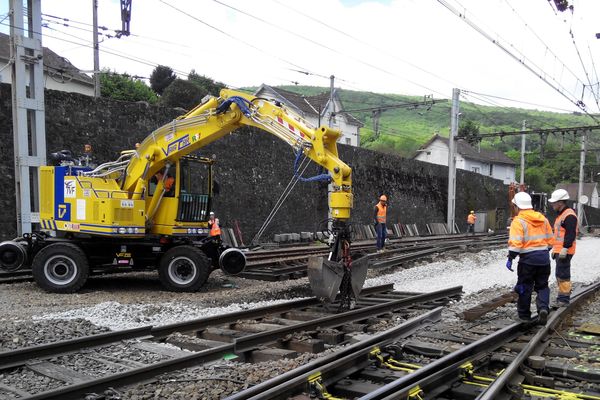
[291, 263]
[494, 359]
[72, 368]
[279, 267]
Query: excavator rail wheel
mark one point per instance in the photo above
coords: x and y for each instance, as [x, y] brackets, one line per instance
[60, 268]
[184, 269]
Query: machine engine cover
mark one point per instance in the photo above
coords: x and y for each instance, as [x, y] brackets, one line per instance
[232, 261]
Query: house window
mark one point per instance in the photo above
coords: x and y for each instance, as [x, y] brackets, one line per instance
[475, 169]
[348, 140]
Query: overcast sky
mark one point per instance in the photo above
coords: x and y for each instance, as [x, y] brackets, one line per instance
[415, 47]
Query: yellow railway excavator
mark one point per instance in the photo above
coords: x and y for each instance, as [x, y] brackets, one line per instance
[149, 208]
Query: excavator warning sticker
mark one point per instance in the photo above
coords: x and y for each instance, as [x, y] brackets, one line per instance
[292, 128]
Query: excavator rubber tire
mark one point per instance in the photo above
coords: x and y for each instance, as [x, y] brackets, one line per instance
[60, 268]
[184, 269]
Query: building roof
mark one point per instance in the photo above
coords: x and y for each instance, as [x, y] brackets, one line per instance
[467, 151]
[54, 65]
[312, 105]
[572, 188]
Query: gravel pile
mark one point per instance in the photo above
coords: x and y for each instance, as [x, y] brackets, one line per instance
[17, 334]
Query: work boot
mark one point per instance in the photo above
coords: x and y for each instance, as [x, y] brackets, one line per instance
[525, 320]
[542, 317]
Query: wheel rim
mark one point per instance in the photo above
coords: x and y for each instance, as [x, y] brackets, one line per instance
[182, 270]
[60, 270]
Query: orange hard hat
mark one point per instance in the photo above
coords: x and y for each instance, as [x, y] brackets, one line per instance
[383, 197]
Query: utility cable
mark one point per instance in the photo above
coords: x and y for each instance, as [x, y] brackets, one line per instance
[314, 42]
[369, 45]
[284, 195]
[578, 103]
[231, 36]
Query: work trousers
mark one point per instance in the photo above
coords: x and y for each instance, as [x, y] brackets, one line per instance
[381, 232]
[563, 278]
[530, 278]
[471, 228]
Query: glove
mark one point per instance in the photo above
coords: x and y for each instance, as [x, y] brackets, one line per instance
[509, 264]
[563, 253]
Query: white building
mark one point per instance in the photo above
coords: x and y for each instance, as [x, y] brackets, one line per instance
[589, 189]
[59, 73]
[318, 111]
[491, 163]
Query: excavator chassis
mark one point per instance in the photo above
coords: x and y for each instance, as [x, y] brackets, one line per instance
[63, 265]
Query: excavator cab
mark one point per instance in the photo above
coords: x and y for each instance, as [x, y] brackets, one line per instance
[187, 199]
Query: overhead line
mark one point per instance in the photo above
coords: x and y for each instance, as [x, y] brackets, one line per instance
[462, 16]
[231, 36]
[314, 42]
[370, 45]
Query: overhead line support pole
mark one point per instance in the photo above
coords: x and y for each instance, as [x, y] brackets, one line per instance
[29, 126]
[96, 49]
[581, 178]
[452, 160]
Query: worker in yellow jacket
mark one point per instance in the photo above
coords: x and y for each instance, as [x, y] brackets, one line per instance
[530, 238]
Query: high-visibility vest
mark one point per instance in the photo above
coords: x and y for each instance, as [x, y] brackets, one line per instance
[214, 229]
[381, 213]
[471, 219]
[524, 237]
[560, 231]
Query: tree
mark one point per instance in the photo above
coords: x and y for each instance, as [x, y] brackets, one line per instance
[182, 93]
[161, 78]
[211, 86]
[124, 87]
[469, 131]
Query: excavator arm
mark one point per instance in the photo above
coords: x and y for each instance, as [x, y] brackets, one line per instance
[217, 117]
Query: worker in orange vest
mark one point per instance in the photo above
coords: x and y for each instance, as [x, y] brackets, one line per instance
[471, 218]
[380, 215]
[530, 238]
[213, 225]
[565, 234]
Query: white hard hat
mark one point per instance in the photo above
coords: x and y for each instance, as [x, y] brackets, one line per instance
[522, 200]
[560, 194]
[211, 213]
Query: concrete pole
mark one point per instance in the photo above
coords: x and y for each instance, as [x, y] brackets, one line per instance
[522, 181]
[96, 49]
[581, 178]
[452, 160]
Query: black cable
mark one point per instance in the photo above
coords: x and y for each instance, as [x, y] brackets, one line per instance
[559, 88]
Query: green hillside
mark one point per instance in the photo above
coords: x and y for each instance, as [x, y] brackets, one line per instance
[403, 130]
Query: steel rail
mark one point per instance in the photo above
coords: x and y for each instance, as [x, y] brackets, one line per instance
[239, 346]
[12, 358]
[444, 367]
[286, 382]
[252, 341]
[499, 388]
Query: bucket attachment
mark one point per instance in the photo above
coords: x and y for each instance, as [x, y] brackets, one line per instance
[359, 274]
[325, 277]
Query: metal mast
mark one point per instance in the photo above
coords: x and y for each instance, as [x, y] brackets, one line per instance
[29, 130]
